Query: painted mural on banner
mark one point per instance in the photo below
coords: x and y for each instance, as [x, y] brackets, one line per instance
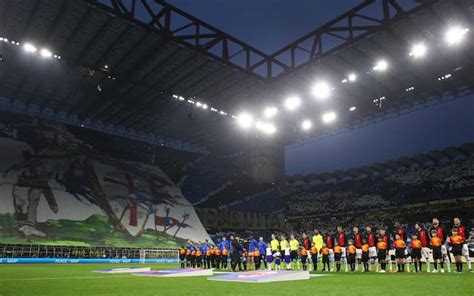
[223, 219]
[55, 188]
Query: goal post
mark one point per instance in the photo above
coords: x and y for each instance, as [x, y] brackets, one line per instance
[170, 255]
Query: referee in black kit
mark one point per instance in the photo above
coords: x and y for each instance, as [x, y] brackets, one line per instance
[236, 251]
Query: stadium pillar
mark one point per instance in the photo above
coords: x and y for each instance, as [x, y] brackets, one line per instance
[264, 160]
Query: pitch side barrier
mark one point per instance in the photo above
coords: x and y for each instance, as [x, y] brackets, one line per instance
[18, 254]
[81, 260]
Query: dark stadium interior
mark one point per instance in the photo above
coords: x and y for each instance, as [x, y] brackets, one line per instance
[127, 136]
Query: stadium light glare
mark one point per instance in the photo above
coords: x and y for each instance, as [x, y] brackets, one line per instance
[28, 47]
[265, 127]
[198, 104]
[45, 53]
[353, 108]
[269, 112]
[455, 35]
[306, 125]
[352, 77]
[381, 66]
[418, 50]
[204, 106]
[245, 120]
[292, 103]
[321, 90]
[328, 117]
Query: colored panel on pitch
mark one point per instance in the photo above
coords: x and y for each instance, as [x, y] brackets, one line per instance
[124, 270]
[176, 272]
[264, 276]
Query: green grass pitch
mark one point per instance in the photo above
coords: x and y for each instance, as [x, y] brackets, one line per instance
[42, 279]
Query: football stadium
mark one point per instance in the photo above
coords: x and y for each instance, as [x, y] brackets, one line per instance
[225, 147]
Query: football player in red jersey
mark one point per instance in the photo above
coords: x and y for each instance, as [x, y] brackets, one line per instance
[357, 239]
[329, 242]
[371, 241]
[400, 231]
[342, 240]
[441, 233]
[462, 230]
[424, 238]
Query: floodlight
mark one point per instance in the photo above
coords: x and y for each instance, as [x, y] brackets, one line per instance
[455, 35]
[28, 47]
[352, 77]
[204, 106]
[306, 125]
[292, 103]
[198, 104]
[45, 53]
[418, 50]
[381, 65]
[269, 112]
[328, 117]
[245, 120]
[265, 127]
[321, 90]
[353, 108]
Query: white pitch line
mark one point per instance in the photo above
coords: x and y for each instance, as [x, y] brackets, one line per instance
[64, 278]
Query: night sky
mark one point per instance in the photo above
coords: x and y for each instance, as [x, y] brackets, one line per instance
[270, 24]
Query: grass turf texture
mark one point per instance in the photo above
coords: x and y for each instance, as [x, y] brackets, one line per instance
[41, 279]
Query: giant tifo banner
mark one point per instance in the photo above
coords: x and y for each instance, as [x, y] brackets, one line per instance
[56, 189]
[222, 219]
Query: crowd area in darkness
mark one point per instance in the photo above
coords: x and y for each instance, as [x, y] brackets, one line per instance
[399, 247]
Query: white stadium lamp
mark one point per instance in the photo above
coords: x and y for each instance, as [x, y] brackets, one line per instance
[381, 66]
[269, 112]
[245, 120]
[455, 35]
[321, 90]
[306, 125]
[28, 47]
[418, 50]
[352, 77]
[45, 53]
[292, 103]
[328, 117]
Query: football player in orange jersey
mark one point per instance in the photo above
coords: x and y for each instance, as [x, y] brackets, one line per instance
[182, 257]
[325, 253]
[435, 244]
[456, 241]
[337, 255]
[400, 247]
[365, 254]
[217, 258]
[224, 257]
[314, 256]
[415, 246]
[351, 255]
[382, 253]
[304, 257]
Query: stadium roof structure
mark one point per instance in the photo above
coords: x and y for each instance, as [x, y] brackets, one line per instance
[405, 163]
[141, 68]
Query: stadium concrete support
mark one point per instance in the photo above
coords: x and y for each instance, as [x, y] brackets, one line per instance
[265, 161]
